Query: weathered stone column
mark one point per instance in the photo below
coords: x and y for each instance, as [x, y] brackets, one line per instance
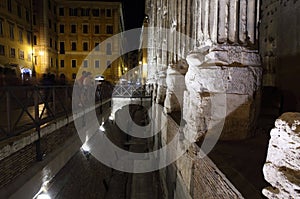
[282, 167]
[175, 87]
[225, 63]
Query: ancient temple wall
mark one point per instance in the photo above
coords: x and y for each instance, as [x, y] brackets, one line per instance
[280, 49]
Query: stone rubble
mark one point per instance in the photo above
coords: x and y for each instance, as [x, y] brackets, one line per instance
[282, 167]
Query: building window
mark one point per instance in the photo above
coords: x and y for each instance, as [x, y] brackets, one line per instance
[21, 54]
[85, 46]
[108, 13]
[109, 29]
[97, 63]
[61, 28]
[97, 29]
[85, 63]
[20, 36]
[54, 9]
[29, 57]
[55, 45]
[108, 49]
[51, 42]
[61, 12]
[55, 25]
[73, 63]
[34, 19]
[49, 4]
[9, 7]
[51, 62]
[85, 28]
[1, 27]
[28, 38]
[12, 53]
[73, 45]
[72, 11]
[85, 12]
[108, 64]
[73, 28]
[73, 75]
[50, 23]
[97, 46]
[62, 47]
[96, 12]
[27, 15]
[11, 32]
[62, 63]
[34, 40]
[2, 49]
[19, 10]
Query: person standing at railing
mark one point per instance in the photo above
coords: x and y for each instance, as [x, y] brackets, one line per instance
[88, 86]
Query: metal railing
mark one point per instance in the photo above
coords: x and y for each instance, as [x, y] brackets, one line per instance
[29, 107]
[130, 91]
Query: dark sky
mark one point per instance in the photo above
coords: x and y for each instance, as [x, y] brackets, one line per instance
[134, 11]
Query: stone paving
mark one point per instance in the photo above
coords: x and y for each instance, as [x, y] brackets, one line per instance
[87, 178]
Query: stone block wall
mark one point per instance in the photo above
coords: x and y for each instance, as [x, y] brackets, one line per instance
[191, 176]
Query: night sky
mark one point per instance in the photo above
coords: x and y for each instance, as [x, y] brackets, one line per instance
[133, 11]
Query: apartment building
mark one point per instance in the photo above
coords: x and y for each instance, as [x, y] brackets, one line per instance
[16, 47]
[56, 36]
[82, 26]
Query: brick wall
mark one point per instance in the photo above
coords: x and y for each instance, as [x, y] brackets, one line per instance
[17, 163]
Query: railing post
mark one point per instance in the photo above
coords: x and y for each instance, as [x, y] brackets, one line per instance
[8, 107]
[39, 154]
[53, 101]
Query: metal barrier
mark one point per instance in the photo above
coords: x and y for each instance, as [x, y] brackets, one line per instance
[130, 91]
[29, 107]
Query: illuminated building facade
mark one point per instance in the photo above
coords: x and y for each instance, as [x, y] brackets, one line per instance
[55, 36]
[16, 33]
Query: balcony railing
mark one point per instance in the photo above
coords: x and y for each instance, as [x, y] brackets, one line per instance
[130, 91]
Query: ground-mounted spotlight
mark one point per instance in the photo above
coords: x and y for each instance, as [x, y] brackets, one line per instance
[86, 150]
[43, 196]
[101, 128]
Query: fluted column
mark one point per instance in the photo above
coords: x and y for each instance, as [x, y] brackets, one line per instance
[224, 68]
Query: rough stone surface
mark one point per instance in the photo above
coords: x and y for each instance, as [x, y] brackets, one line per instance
[218, 93]
[282, 167]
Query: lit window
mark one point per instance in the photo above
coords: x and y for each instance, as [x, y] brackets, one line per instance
[73, 63]
[21, 54]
